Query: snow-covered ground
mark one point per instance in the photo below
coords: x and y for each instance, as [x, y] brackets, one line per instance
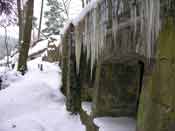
[8, 76]
[110, 123]
[87, 107]
[34, 103]
[115, 124]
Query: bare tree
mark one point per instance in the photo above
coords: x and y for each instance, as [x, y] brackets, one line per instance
[83, 3]
[66, 5]
[4, 25]
[87, 1]
[6, 10]
[24, 49]
[20, 21]
[41, 16]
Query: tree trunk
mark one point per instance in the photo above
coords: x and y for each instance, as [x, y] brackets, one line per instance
[20, 21]
[23, 54]
[87, 1]
[6, 46]
[41, 16]
[83, 4]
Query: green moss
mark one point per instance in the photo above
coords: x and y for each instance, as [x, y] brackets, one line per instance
[166, 46]
[156, 110]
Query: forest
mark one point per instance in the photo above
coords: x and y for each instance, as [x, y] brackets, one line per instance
[87, 65]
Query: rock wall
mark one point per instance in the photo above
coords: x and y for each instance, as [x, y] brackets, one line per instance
[117, 89]
[120, 56]
[71, 83]
[157, 106]
[156, 110]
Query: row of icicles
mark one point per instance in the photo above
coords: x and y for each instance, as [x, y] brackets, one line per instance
[92, 34]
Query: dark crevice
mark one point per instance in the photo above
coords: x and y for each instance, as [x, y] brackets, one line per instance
[141, 65]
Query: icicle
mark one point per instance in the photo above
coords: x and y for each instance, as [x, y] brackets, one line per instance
[93, 43]
[88, 46]
[134, 14]
[78, 46]
[151, 24]
[102, 29]
[115, 22]
[86, 34]
[97, 32]
[149, 15]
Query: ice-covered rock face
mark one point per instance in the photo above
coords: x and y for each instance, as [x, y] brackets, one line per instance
[117, 28]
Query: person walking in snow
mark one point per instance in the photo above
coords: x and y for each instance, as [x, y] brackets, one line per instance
[41, 67]
[0, 82]
[13, 66]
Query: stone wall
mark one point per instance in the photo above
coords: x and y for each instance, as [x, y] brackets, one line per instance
[157, 106]
[105, 58]
[119, 49]
[117, 89]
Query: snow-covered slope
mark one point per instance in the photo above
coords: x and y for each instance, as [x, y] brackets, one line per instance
[42, 45]
[34, 103]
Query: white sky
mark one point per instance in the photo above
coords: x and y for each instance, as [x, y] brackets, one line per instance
[75, 9]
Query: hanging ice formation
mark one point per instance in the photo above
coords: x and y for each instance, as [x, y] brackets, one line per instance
[150, 23]
[78, 40]
[143, 13]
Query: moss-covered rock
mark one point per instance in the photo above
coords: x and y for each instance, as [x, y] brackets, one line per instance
[157, 104]
[117, 88]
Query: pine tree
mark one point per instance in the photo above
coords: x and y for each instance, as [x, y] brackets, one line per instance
[54, 17]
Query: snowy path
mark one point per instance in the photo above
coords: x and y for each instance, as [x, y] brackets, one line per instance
[34, 103]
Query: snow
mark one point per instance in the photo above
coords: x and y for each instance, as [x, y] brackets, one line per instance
[55, 40]
[12, 59]
[115, 124]
[56, 43]
[24, 2]
[3, 61]
[44, 53]
[8, 76]
[87, 106]
[34, 103]
[92, 4]
[66, 26]
[75, 21]
[38, 47]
